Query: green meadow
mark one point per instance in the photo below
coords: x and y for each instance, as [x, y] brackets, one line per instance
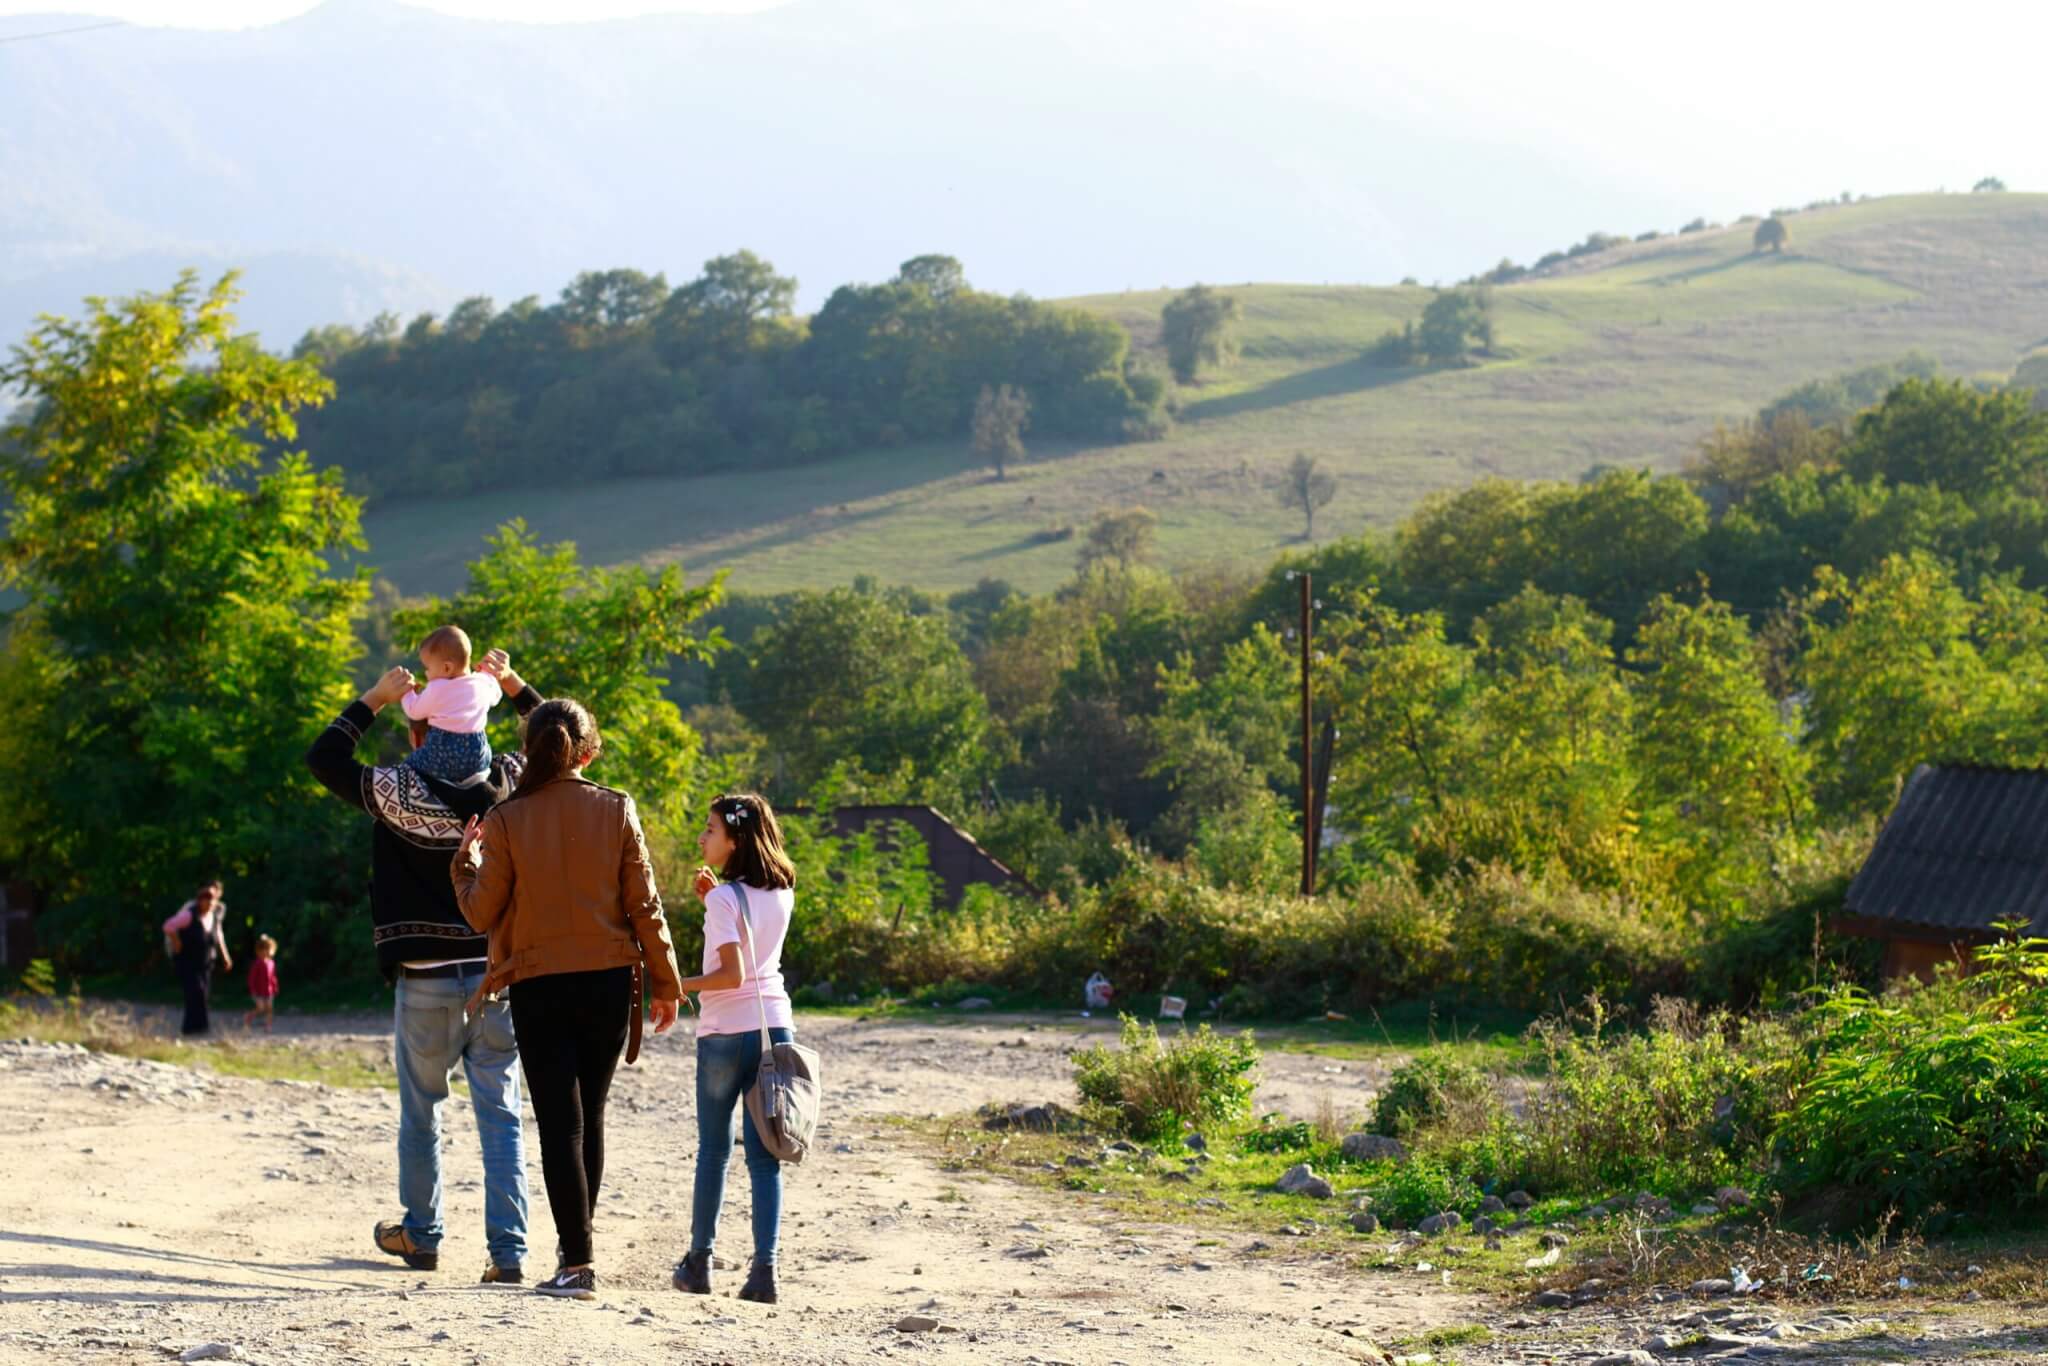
[1624, 357]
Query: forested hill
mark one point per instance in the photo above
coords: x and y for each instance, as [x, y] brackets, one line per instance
[1626, 355]
[623, 375]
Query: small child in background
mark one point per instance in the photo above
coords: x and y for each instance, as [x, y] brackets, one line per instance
[456, 705]
[263, 982]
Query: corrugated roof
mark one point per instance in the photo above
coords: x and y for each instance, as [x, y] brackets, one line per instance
[1965, 848]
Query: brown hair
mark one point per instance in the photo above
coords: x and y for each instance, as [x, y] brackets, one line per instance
[447, 642]
[758, 858]
[561, 736]
[264, 941]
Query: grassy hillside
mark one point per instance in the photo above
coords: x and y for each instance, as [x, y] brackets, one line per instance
[1625, 357]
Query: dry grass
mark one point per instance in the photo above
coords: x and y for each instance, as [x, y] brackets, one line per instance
[120, 1030]
[1884, 1263]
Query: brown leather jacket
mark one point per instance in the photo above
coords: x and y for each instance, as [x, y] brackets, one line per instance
[562, 883]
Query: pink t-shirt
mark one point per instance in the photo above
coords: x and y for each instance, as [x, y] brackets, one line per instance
[263, 978]
[461, 704]
[735, 1012]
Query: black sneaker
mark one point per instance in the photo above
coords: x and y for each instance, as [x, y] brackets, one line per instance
[503, 1275]
[760, 1286]
[693, 1274]
[393, 1238]
[570, 1285]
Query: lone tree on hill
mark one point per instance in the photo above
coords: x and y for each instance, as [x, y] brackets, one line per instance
[1124, 536]
[1000, 417]
[1771, 233]
[1455, 322]
[1199, 328]
[1990, 184]
[1305, 486]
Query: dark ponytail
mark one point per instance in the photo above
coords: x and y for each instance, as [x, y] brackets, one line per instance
[561, 736]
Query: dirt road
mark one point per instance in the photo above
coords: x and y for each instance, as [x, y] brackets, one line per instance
[147, 1208]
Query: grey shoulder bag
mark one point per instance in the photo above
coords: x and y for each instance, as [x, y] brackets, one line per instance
[783, 1101]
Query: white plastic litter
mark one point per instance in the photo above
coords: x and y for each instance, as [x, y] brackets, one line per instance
[1097, 993]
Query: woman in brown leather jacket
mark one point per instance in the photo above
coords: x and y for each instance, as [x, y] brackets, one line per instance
[558, 876]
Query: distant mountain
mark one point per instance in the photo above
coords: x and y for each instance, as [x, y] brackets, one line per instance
[404, 158]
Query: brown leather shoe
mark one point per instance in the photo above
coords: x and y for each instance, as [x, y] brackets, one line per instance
[393, 1238]
[503, 1275]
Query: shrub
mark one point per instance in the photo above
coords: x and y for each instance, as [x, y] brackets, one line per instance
[1271, 1136]
[1425, 1090]
[1929, 1098]
[1420, 1187]
[1529, 943]
[1685, 1105]
[1778, 945]
[1152, 1089]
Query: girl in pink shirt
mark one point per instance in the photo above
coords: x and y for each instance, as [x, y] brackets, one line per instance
[263, 982]
[742, 996]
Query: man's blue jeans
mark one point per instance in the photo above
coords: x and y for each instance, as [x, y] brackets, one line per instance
[431, 1037]
[726, 1064]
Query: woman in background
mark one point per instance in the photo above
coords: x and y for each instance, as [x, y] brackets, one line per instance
[193, 939]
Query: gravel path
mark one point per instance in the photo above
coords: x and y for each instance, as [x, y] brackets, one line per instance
[148, 1211]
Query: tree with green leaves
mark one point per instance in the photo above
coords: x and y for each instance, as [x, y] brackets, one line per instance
[181, 630]
[1990, 184]
[1455, 323]
[1304, 487]
[606, 637]
[1718, 768]
[1223, 735]
[1402, 695]
[1951, 433]
[736, 306]
[1124, 537]
[1771, 235]
[852, 680]
[1199, 328]
[1554, 714]
[1001, 414]
[1903, 668]
[940, 276]
[604, 300]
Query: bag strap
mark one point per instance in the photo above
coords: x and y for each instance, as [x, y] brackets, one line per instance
[739, 889]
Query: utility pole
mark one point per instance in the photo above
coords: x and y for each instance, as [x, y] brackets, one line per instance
[1308, 765]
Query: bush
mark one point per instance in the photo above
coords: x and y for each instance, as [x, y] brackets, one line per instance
[1154, 1090]
[1932, 1098]
[1425, 1090]
[1779, 946]
[1684, 1106]
[1527, 943]
[1418, 1188]
[1271, 1136]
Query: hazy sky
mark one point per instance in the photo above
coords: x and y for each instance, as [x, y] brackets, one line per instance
[1771, 98]
[1628, 116]
[246, 13]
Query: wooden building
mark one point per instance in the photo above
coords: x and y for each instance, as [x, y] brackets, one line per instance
[1965, 850]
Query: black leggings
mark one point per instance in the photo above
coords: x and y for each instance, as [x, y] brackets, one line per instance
[571, 1028]
[197, 980]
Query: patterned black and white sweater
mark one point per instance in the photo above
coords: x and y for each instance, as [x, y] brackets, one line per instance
[417, 827]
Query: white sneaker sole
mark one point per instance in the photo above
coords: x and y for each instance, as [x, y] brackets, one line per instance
[565, 1292]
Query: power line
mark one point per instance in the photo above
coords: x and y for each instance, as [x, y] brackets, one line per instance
[60, 32]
